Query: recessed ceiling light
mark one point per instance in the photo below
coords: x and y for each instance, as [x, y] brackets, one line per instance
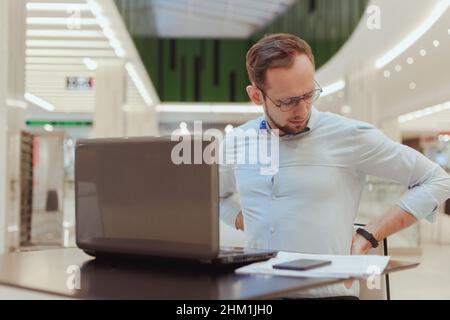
[90, 64]
[398, 68]
[387, 73]
[119, 52]
[412, 85]
[423, 52]
[183, 130]
[448, 32]
[439, 9]
[410, 60]
[436, 43]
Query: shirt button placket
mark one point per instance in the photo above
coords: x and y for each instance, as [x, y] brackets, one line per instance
[273, 197]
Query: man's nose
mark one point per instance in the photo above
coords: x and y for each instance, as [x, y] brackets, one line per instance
[301, 108]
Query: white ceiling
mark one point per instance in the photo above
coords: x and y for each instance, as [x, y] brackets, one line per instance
[60, 34]
[422, 81]
[46, 69]
[213, 18]
[365, 46]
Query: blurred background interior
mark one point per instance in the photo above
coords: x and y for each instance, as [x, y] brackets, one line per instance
[72, 69]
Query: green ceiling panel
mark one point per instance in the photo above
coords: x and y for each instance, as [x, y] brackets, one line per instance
[209, 70]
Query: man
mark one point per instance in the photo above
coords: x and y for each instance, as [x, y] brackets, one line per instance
[310, 204]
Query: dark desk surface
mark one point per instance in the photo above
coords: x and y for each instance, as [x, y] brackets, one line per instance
[53, 271]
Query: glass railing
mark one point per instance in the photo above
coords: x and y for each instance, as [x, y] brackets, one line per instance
[378, 196]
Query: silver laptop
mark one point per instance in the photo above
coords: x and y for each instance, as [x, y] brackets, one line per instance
[131, 198]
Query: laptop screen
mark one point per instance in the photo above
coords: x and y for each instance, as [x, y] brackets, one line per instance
[135, 190]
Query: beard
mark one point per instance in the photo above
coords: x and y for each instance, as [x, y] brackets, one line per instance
[292, 130]
[287, 129]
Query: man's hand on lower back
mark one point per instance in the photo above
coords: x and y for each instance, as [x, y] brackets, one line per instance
[239, 223]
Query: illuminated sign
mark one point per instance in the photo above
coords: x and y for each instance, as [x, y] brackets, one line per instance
[79, 83]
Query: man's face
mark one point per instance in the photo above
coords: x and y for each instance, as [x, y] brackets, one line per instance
[283, 84]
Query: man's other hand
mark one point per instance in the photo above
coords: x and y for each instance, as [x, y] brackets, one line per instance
[360, 246]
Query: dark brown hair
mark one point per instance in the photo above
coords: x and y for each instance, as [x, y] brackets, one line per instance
[274, 51]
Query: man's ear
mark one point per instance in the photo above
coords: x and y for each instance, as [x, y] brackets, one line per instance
[254, 94]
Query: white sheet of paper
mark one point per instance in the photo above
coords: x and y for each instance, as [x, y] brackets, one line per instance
[342, 266]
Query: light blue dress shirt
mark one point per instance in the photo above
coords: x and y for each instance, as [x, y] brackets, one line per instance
[311, 203]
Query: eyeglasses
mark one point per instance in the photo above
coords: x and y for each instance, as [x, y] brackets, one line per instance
[292, 102]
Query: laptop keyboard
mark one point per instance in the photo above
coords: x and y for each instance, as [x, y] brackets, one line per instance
[231, 250]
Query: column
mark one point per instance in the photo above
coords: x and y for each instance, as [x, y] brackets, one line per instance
[362, 94]
[141, 121]
[16, 108]
[3, 117]
[109, 99]
[12, 106]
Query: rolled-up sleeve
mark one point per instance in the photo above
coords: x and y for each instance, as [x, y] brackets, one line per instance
[428, 184]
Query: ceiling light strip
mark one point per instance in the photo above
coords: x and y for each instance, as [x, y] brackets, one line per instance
[332, 88]
[423, 112]
[46, 6]
[49, 33]
[72, 22]
[138, 83]
[39, 102]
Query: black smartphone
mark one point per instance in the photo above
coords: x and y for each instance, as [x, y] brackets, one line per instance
[302, 264]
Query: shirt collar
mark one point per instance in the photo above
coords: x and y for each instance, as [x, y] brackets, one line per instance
[312, 122]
